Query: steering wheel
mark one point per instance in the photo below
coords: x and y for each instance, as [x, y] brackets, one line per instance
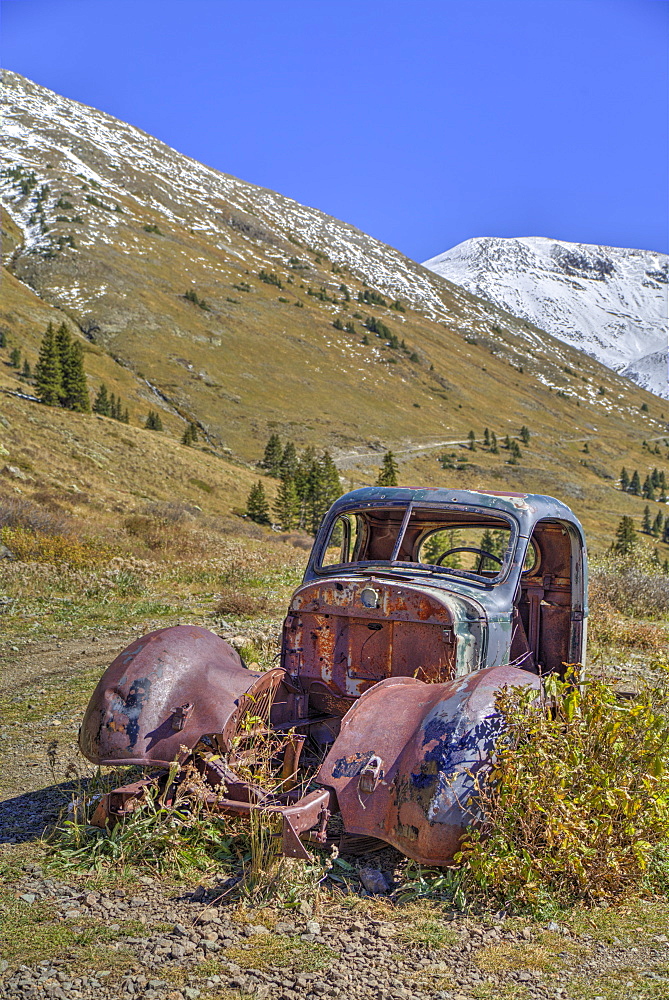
[466, 548]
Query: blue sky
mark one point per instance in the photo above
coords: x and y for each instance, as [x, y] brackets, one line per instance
[422, 122]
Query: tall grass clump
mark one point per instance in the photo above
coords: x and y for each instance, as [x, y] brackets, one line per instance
[576, 807]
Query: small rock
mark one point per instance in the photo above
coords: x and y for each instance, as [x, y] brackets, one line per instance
[552, 926]
[526, 933]
[313, 927]
[375, 881]
[14, 472]
[6, 553]
[28, 897]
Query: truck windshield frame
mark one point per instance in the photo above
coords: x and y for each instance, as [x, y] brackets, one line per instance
[454, 516]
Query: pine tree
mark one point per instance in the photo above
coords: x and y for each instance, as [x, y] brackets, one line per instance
[525, 434]
[257, 507]
[102, 404]
[648, 493]
[3, 338]
[507, 441]
[288, 461]
[15, 358]
[626, 537]
[486, 438]
[153, 421]
[189, 435]
[26, 369]
[665, 532]
[471, 438]
[657, 524]
[47, 370]
[493, 443]
[488, 544]
[635, 484]
[624, 479]
[271, 462]
[304, 481]
[646, 525]
[389, 469]
[126, 416]
[287, 504]
[74, 393]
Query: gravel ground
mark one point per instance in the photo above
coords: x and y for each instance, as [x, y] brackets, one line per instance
[150, 941]
[184, 936]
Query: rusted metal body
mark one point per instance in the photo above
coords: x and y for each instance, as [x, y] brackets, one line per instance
[392, 655]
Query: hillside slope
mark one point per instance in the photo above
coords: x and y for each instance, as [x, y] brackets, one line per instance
[610, 302]
[110, 229]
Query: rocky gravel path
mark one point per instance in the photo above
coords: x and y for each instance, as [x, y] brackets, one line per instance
[182, 946]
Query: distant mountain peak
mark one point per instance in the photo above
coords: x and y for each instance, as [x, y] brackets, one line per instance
[610, 302]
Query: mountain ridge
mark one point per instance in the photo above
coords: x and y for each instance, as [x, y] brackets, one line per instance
[610, 302]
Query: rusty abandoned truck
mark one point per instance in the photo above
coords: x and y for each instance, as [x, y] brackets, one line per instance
[416, 608]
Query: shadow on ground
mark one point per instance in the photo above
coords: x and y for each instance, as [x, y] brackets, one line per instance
[27, 817]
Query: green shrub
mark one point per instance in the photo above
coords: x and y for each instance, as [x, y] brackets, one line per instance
[577, 804]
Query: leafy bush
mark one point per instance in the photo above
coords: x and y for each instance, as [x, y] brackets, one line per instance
[58, 550]
[631, 584]
[577, 804]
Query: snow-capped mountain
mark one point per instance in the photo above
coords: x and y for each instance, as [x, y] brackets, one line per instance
[610, 302]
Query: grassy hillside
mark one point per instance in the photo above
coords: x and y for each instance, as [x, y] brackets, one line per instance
[111, 229]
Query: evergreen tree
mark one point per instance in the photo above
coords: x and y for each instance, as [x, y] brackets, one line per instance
[190, 434]
[648, 493]
[471, 438]
[624, 479]
[507, 441]
[304, 477]
[488, 544]
[271, 462]
[389, 468]
[486, 438]
[287, 504]
[635, 484]
[112, 406]
[101, 403]
[257, 507]
[153, 421]
[525, 434]
[15, 358]
[126, 416]
[288, 461]
[74, 392]
[493, 443]
[47, 370]
[3, 338]
[665, 532]
[646, 525]
[26, 369]
[625, 536]
[655, 478]
[657, 524]
[325, 488]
